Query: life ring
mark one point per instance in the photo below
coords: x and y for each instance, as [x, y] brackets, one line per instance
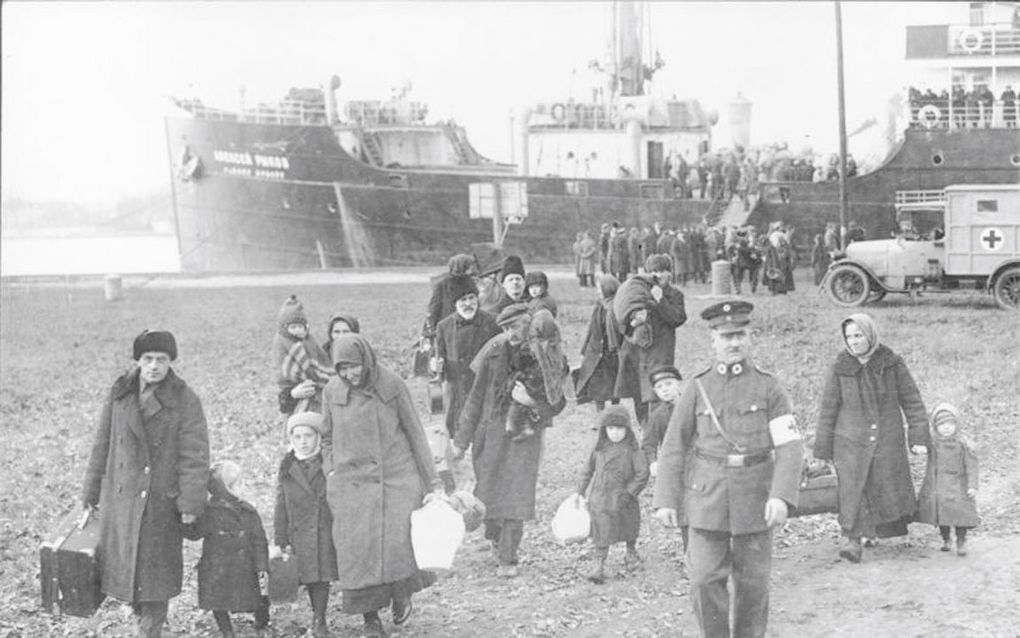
[929, 115]
[558, 112]
[970, 40]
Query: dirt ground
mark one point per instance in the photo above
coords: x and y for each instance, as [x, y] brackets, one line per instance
[63, 345]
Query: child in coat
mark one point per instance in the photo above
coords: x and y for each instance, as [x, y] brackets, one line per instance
[235, 554]
[541, 368]
[299, 361]
[947, 497]
[302, 522]
[667, 384]
[616, 471]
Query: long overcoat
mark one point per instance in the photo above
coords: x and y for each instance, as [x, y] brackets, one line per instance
[457, 342]
[234, 549]
[506, 471]
[952, 470]
[588, 253]
[664, 317]
[860, 428]
[600, 359]
[616, 474]
[302, 519]
[144, 472]
[379, 466]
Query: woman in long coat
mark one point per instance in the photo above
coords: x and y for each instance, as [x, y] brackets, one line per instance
[149, 467]
[588, 253]
[506, 470]
[378, 468]
[868, 393]
[596, 378]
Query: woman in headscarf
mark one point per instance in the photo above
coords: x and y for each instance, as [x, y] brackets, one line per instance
[868, 393]
[378, 467]
[340, 323]
[596, 378]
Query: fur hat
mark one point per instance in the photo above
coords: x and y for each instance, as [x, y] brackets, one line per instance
[308, 419]
[658, 262]
[615, 415]
[512, 265]
[292, 311]
[461, 285]
[510, 314]
[155, 341]
[536, 277]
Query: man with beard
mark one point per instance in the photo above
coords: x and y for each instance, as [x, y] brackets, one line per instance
[732, 440]
[506, 470]
[459, 337]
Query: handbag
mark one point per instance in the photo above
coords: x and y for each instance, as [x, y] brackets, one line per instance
[819, 494]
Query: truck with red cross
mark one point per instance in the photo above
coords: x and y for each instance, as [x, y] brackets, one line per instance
[960, 237]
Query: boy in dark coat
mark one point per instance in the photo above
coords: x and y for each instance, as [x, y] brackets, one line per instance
[951, 480]
[617, 472]
[302, 522]
[233, 569]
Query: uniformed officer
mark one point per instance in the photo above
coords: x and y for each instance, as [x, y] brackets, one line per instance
[741, 481]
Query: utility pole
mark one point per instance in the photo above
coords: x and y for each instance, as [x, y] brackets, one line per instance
[843, 205]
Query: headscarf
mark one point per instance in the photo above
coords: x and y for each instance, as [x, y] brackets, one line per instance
[546, 346]
[868, 328]
[352, 348]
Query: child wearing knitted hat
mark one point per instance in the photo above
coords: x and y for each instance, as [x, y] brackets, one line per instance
[302, 521]
[616, 472]
[947, 497]
[235, 553]
[302, 367]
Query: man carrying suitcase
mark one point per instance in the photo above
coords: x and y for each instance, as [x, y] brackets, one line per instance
[147, 475]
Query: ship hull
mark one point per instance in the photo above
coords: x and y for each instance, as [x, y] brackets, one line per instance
[281, 197]
[926, 160]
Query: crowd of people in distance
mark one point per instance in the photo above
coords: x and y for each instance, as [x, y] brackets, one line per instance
[721, 448]
[960, 108]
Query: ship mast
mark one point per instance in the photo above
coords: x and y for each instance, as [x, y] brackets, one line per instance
[843, 198]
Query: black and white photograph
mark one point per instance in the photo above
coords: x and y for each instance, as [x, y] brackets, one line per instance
[513, 318]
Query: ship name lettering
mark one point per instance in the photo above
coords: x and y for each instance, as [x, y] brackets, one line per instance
[272, 161]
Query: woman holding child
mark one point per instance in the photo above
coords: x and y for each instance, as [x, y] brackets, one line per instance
[378, 468]
[868, 392]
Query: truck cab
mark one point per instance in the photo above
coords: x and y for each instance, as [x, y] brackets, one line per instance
[964, 236]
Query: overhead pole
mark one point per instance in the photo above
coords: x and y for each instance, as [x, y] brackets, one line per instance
[843, 196]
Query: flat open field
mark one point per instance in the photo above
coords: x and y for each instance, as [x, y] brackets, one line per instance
[63, 346]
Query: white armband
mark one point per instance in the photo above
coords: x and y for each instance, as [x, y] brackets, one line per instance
[783, 429]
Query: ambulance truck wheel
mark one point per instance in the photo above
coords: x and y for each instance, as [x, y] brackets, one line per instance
[1007, 288]
[847, 286]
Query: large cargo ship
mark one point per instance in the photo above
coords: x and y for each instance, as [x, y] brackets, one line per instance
[301, 185]
[961, 127]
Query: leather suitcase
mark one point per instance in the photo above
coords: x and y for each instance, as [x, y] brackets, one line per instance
[69, 567]
[283, 579]
[818, 495]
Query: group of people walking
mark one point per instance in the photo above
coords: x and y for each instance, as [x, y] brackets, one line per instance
[724, 450]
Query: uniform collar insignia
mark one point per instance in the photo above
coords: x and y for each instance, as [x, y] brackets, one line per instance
[734, 369]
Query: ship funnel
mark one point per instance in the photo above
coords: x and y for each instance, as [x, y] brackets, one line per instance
[332, 115]
[738, 112]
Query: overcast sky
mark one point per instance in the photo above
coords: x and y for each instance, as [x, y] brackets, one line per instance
[85, 83]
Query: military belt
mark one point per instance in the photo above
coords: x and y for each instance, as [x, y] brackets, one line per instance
[734, 460]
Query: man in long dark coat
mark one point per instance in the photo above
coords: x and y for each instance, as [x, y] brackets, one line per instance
[506, 470]
[148, 474]
[664, 312]
[511, 287]
[459, 337]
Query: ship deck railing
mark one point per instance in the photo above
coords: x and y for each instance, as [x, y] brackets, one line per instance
[993, 39]
[950, 114]
[911, 200]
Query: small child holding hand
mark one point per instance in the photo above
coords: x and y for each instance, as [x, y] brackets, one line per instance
[235, 554]
[947, 497]
[617, 472]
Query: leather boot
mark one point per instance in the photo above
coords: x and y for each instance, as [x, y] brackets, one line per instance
[852, 550]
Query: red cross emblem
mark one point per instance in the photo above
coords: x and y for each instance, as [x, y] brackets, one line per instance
[992, 239]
